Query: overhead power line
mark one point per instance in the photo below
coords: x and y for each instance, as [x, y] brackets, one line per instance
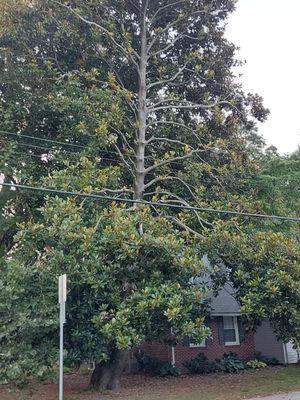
[57, 142]
[20, 136]
[149, 203]
[46, 149]
[68, 144]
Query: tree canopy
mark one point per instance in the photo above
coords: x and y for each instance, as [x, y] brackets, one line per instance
[124, 98]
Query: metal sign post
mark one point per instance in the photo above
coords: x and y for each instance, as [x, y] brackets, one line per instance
[62, 297]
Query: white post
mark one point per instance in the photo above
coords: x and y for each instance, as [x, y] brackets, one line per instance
[62, 297]
[173, 351]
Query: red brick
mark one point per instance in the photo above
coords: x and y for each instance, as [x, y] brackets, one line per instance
[246, 350]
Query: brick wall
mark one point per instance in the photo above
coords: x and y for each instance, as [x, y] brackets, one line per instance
[213, 350]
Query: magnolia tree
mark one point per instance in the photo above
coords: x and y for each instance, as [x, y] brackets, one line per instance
[123, 288]
[132, 99]
[264, 268]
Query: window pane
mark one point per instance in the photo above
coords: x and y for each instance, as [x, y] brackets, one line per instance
[229, 335]
[228, 322]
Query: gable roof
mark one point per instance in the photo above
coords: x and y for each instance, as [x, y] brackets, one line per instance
[224, 303]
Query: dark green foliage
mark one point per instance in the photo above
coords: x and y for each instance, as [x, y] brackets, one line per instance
[200, 365]
[167, 369]
[154, 366]
[148, 364]
[129, 271]
[269, 361]
[231, 363]
[105, 261]
[265, 269]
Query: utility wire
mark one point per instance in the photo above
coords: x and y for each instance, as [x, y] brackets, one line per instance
[143, 202]
[42, 147]
[36, 138]
[50, 148]
[43, 139]
[73, 152]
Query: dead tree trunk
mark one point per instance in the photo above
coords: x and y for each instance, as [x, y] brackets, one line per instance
[139, 185]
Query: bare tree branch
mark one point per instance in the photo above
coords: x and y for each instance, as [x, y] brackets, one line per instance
[169, 122]
[164, 30]
[160, 9]
[180, 200]
[105, 31]
[191, 105]
[162, 139]
[184, 226]
[181, 125]
[170, 160]
[123, 159]
[168, 27]
[211, 174]
[171, 178]
[166, 48]
[188, 105]
[122, 135]
[165, 81]
[115, 191]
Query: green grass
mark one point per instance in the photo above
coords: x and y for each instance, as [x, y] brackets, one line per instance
[258, 383]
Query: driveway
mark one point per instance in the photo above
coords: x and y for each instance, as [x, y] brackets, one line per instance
[287, 396]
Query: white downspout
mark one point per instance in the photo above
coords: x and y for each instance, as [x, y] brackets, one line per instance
[285, 354]
[173, 352]
[173, 356]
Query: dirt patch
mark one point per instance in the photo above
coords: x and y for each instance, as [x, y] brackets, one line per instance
[146, 388]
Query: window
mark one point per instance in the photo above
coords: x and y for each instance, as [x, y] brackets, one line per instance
[193, 343]
[230, 331]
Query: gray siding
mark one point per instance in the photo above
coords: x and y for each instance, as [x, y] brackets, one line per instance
[225, 302]
[292, 355]
[267, 343]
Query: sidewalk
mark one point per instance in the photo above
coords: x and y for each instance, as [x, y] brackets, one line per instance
[287, 396]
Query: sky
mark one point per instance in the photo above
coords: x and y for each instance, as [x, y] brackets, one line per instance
[268, 34]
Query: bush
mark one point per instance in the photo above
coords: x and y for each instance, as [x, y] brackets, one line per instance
[154, 366]
[256, 364]
[147, 364]
[167, 369]
[266, 360]
[231, 363]
[200, 365]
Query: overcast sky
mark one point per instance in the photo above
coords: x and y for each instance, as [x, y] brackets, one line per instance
[268, 33]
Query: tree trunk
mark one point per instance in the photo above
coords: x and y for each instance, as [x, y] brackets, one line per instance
[139, 185]
[107, 376]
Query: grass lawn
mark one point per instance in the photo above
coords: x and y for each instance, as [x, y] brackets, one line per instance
[212, 387]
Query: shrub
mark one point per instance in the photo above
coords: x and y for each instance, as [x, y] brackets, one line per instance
[147, 364]
[154, 366]
[167, 369]
[200, 365]
[231, 363]
[265, 359]
[256, 364]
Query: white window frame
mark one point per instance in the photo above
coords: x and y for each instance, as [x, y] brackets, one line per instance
[236, 329]
[193, 345]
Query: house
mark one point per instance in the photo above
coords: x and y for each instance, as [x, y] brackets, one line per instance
[267, 343]
[228, 334]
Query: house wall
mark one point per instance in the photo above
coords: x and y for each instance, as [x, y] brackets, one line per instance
[213, 350]
[267, 343]
[157, 350]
